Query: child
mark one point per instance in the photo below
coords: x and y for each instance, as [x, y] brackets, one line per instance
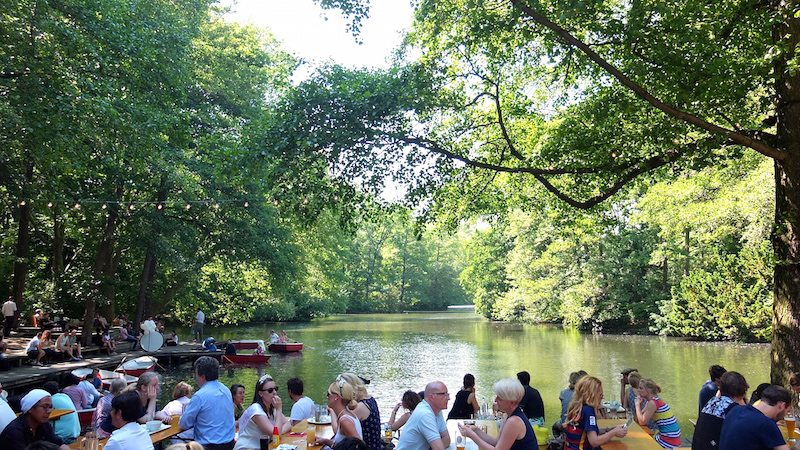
[108, 343]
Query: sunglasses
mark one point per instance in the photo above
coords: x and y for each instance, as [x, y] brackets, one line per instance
[270, 390]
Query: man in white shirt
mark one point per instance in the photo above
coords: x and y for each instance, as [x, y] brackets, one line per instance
[91, 391]
[125, 410]
[197, 329]
[9, 313]
[303, 407]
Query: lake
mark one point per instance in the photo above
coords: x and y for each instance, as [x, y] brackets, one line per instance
[405, 351]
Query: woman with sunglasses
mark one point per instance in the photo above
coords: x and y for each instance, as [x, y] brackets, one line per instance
[259, 419]
[342, 403]
[367, 411]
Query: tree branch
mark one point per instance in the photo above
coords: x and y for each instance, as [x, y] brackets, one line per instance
[668, 109]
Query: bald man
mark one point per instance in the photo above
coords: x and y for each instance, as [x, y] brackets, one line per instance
[426, 428]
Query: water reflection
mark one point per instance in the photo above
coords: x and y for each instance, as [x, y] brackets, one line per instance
[405, 351]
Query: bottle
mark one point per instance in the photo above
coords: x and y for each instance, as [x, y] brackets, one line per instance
[276, 437]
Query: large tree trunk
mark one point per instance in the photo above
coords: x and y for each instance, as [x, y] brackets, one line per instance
[100, 272]
[143, 300]
[23, 241]
[57, 266]
[786, 237]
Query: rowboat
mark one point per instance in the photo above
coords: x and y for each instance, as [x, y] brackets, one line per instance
[246, 359]
[248, 344]
[106, 376]
[85, 417]
[286, 347]
[137, 366]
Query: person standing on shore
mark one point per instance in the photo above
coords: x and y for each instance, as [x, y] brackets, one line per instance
[197, 329]
[9, 314]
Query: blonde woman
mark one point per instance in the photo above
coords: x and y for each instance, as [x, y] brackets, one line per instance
[342, 403]
[260, 418]
[516, 433]
[582, 416]
[667, 430]
[367, 411]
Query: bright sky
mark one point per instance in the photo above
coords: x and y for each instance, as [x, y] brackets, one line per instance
[301, 26]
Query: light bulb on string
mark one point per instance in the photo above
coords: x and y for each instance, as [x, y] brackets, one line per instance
[216, 205]
[188, 206]
[77, 205]
[104, 206]
[160, 206]
[131, 207]
[49, 204]
[22, 203]
[246, 204]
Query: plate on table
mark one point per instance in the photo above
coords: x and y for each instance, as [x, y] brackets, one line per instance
[164, 426]
[323, 420]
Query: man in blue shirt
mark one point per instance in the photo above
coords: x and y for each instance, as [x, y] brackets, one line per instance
[710, 387]
[210, 412]
[754, 427]
[426, 428]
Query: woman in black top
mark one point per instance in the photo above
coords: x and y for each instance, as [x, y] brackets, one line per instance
[465, 405]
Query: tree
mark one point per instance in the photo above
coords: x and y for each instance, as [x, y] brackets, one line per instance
[588, 98]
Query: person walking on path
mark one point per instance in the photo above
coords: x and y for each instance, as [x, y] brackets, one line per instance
[10, 312]
[197, 328]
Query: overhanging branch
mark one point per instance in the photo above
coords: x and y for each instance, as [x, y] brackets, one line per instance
[670, 110]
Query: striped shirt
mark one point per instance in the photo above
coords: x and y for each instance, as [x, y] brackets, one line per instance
[668, 433]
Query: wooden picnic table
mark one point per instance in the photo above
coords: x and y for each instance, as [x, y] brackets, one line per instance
[637, 438]
[155, 438]
[56, 414]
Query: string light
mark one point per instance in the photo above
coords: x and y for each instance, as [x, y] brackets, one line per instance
[246, 204]
[188, 206]
[216, 205]
[49, 204]
[160, 206]
[77, 205]
[22, 203]
[131, 207]
[104, 206]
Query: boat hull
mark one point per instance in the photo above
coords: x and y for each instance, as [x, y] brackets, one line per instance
[288, 347]
[246, 359]
[136, 367]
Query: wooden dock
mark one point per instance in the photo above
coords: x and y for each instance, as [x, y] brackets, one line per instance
[20, 379]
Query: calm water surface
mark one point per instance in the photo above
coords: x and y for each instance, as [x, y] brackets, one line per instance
[405, 351]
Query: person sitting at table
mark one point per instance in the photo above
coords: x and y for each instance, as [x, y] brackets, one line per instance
[237, 395]
[210, 412]
[79, 397]
[101, 419]
[667, 431]
[171, 339]
[342, 403]
[125, 409]
[367, 412]
[756, 395]
[67, 427]
[733, 389]
[186, 446]
[517, 432]
[566, 394]
[262, 416]
[465, 405]
[351, 443]
[426, 428]
[409, 401]
[181, 396]
[755, 426]
[147, 387]
[582, 416]
[33, 424]
[87, 384]
[710, 387]
[303, 407]
[531, 403]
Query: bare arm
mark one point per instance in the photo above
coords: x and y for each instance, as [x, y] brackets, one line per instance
[598, 440]
[473, 402]
[642, 416]
[362, 411]
[397, 424]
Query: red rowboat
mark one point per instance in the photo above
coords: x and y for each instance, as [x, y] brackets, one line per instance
[246, 359]
[248, 344]
[286, 347]
[85, 417]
